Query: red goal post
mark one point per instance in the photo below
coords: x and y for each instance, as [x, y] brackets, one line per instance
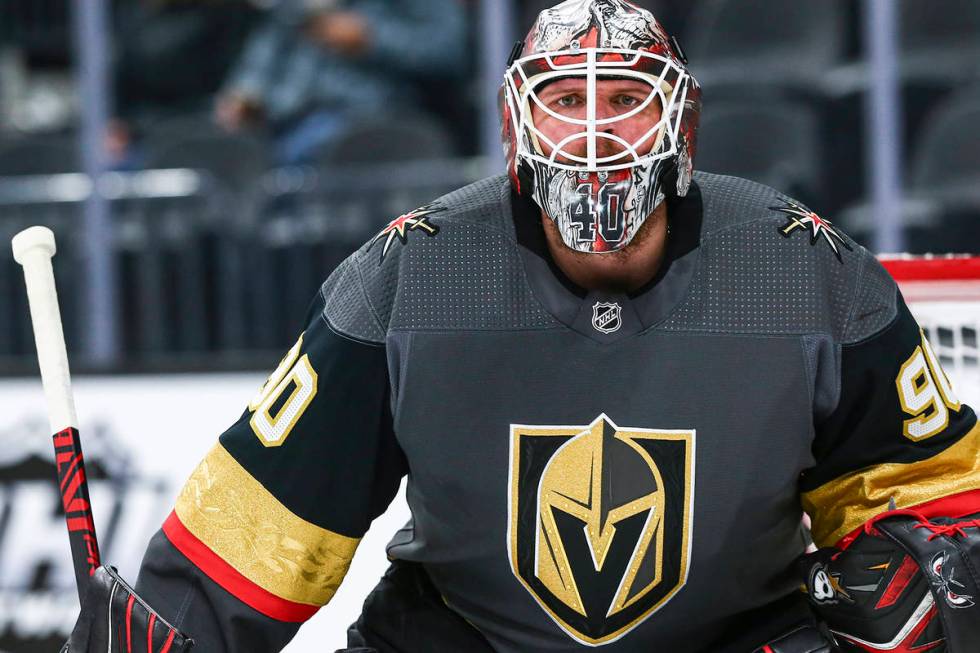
[943, 292]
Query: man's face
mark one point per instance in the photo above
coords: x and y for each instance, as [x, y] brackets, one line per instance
[614, 97]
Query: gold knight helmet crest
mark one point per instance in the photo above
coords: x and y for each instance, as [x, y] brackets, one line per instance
[600, 522]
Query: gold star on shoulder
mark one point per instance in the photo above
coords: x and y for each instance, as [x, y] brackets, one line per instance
[411, 221]
[803, 218]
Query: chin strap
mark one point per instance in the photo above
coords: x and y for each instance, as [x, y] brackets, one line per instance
[525, 179]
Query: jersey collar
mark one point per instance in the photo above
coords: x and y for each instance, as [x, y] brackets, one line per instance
[575, 307]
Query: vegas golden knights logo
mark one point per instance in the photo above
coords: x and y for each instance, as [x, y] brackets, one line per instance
[600, 522]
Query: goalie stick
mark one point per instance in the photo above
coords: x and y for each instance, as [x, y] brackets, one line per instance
[33, 249]
[111, 611]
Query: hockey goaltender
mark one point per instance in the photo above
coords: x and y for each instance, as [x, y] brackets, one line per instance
[614, 385]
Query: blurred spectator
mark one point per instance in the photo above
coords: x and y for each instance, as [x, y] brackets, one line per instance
[314, 66]
[171, 57]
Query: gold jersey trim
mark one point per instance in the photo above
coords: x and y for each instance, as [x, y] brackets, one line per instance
[845, 503]
[236, 517]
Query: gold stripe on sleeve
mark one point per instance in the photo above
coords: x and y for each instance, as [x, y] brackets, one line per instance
[845, 503]
[237, 518]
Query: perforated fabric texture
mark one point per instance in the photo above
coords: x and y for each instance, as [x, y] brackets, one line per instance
[468, 276]
[876, 304]
[473, 281]
[346, 307]
[752, 279]
[729, 201]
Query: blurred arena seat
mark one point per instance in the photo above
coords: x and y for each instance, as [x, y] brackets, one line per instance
[38, 155]
[41, 27]
[943, 32]
[171, 292]
[163, 225]
[775, 143]
[947, 157]
[235, 160]
[941, 206]
[940, 45]
[772, 52]
[385, 139]
[733, 43]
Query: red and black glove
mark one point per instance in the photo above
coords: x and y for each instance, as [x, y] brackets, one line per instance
[115, 620]
[902, 583]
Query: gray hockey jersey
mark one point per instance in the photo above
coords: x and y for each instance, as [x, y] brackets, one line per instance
[584, 468]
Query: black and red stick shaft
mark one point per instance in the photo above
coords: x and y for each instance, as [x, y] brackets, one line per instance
[33, 249]
[73, 484]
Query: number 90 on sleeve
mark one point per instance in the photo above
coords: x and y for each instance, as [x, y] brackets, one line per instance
[925, 393]
[294, 374]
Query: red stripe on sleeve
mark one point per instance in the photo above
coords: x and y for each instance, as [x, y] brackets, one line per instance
[957, 505]
[230, 579]
[954, 506]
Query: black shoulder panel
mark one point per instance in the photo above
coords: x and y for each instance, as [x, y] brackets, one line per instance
[870, 426]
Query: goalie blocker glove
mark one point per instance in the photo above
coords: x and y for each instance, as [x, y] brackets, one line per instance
[903, 582]
[115, 620]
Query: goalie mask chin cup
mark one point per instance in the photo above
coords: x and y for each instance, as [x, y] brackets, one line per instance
[599, 199]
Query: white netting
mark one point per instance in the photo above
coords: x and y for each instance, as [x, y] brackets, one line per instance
[944, 295]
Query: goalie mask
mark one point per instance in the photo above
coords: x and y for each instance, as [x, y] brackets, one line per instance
[602, 168]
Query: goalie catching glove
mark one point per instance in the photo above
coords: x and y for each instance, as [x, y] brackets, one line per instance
[115, 619]
[903, 582]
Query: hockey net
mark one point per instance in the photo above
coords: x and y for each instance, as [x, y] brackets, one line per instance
[943, 292]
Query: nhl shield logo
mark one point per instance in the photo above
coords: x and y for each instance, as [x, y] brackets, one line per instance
[600, 522]
[607, 318]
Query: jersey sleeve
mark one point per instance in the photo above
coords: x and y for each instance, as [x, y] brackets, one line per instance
[898, 433]
[265, 528]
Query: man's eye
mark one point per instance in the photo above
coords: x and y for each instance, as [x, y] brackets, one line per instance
[568, 101]
[628, 100]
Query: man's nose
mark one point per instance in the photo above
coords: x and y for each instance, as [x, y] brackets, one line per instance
[603, 111]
